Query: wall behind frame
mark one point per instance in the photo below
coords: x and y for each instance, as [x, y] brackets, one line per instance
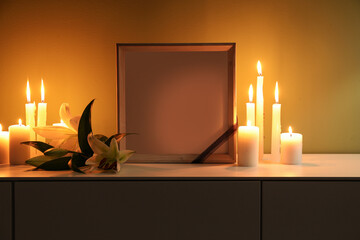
[311, 47]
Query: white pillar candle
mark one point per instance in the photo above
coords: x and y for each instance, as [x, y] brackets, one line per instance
[260, 109]
[276, 128]
[291, 148]
[4, 146]
[250, 107]
[19, 153]
[248, 146]
[41, 122]
[30, 117]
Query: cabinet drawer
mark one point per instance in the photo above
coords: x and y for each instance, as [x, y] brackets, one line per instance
[311, 210]
[5, 211]
[137, 210]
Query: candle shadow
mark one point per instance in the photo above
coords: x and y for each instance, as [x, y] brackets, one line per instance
[236, 168]
[309, 164]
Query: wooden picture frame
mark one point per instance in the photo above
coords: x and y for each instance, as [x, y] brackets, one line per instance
[179, 98]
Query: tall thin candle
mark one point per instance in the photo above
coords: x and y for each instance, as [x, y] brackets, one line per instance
[41, 122]
[260, 110]
[276, 127]
[250, 107]
[30, 117]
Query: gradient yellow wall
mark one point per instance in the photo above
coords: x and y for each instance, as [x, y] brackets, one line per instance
[312, 47]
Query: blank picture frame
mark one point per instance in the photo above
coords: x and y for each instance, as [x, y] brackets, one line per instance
[178, 99]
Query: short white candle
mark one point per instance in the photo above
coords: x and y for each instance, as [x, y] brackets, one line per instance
[30, 117]
[250, 107]
[41, 122]
[276, 128]
[248, 146]
[291, 148]
[260, 109]
[19, 153]
[4, 146]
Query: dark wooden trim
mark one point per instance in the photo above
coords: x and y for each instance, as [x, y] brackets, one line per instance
[106, 179]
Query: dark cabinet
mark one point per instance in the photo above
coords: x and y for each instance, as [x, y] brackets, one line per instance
[180, 210]
[131, 210]
[5, 211]
[310, 210]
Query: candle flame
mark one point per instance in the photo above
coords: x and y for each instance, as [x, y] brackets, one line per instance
[20, 122]
[290, 130]
[251, 93]
[42, 91]
[248, 123]
[259, 68]
[277, 93]
[0, 128]
[28, 91]
[61, 121]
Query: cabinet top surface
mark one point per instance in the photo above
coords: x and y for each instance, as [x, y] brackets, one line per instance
[314, 166]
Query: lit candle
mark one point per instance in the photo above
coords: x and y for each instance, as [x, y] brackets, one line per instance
[248, 145]
[41, 121]
[260, 109]
[30, 117]
[19, 153]
[276, 127]
[250, 107]
[4, 146]
[291, 148]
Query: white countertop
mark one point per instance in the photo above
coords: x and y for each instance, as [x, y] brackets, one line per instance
[327, 166]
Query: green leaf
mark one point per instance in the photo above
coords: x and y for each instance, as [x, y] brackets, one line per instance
[101, 137]
[57, 164]
[85, 129]
[79, 159]
[118, 137]
[57, 152]
[37, 161]
[41, 146]
[75, 168]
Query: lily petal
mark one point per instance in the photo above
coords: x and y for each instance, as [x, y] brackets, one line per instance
[74, 123]
[118, 167]
[124, 155]
[70, 143]
[96, 145]
[114, 150]
[95, 159]
[64, 113]
[54, 132]
[91, 160]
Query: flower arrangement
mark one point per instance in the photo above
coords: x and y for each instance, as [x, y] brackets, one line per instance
[74, 146]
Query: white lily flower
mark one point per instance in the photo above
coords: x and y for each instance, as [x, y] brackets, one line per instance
[62, 136]
[111, 154]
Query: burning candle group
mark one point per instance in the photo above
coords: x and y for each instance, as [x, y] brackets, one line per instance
[285, 147]
[11, 149]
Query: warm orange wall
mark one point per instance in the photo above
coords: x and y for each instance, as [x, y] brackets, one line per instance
[311, 47]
